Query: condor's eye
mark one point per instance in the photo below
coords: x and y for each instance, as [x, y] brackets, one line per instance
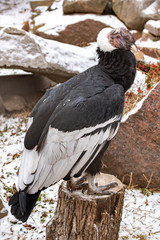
[118, 36]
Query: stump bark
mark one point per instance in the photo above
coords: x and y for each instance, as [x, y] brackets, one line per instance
[80, 216]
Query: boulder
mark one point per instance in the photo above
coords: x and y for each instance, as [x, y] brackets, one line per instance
[26, 45]
[147, 35]
[151, 51]
[14, 103]
[149, 43]
[38, 3]
[153, 27]
[45, 57]
[150, 48]
[3, 211]
[84, 6]
[151, 31]
[136, 13]
[21, 91]
[134, 154]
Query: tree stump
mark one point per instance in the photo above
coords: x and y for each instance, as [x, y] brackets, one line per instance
[80, 216]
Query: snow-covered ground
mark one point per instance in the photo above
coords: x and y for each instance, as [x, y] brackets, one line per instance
[141, 214]
[14, 13]
[12, 132]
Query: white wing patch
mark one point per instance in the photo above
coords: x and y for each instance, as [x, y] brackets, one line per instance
[57, 136]
[29, 123]
[59, 154]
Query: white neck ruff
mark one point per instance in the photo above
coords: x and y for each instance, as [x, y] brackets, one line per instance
[103, 40]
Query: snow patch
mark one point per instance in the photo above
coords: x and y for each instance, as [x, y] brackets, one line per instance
[151, 9]
[153, 23]
[139, 83]
[148, 43]
[138, 106]
[15, 16]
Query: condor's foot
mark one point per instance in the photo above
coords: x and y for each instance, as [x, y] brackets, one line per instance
[93, 187]
[78, 184]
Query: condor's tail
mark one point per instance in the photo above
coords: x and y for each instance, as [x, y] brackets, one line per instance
[22, 204]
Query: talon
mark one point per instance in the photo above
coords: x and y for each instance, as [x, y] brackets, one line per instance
[93, 187]
[99, 192]
[82, 187]
[108, 186]
[79, 184]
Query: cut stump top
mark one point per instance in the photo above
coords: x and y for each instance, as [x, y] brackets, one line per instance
[102, 179]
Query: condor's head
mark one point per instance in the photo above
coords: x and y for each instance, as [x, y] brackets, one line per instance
[110, 39]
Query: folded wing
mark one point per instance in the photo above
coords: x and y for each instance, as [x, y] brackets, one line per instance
[74, 133]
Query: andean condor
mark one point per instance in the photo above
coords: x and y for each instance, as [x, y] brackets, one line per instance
[71, 126]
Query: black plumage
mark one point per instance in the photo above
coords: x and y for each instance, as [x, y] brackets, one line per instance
[73, 124]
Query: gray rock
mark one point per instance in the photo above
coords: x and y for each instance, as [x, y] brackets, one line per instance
[136, 13]
[14, 103]
[35, 4]
[84, 6]
[23, 50]
[28, 53]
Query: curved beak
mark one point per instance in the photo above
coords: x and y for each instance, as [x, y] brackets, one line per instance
[127, 38]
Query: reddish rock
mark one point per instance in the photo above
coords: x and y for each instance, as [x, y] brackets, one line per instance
[136, 148]
[136, 34]
[78, 34]
[152, 52]
[147, 35]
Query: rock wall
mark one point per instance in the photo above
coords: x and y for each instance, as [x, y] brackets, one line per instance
[135, 151]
